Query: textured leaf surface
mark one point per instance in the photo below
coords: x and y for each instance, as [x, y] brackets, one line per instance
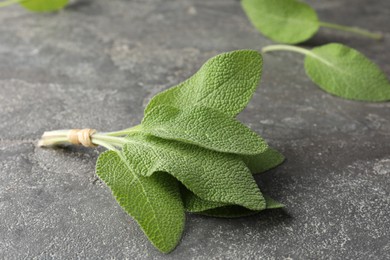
[234, 211]
[263, 162]
[272, 204]
[225, 82]
[154, 202]
[287, 21]
[44, 5]
[210, 175]
[194, 204]
[202, 126]
[231, 211]
[347, 73]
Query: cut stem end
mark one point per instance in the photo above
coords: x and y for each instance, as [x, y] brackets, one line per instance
[86, 137]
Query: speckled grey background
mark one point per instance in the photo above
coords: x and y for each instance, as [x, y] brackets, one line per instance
[97, 63]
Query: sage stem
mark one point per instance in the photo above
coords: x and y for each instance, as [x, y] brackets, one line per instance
[359, 31]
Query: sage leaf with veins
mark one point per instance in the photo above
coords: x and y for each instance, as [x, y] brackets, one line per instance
[342, 71]
[287, 21]
[154, 202]
[345, 72]
[225, 83]
[210, 175]
[257, 164]
[262, 162]
[194, 204]
[202, 126]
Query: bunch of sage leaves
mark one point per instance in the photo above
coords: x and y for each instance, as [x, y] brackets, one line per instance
[189, 153]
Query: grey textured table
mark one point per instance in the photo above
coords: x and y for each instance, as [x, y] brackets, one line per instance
[97, 63]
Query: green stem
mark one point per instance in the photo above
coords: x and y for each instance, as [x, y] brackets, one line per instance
[105, 145]
[125, 132]
[359, 31]
[282, 47]
[109, 139]
[58, 137]
[9, 2]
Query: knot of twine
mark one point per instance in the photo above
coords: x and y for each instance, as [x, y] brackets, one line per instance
[81, 136]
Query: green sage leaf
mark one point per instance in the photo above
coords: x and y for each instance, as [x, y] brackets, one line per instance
[273, 204]
[194, 204]
[154, 202]
[226, 82]
[234, 211]
[231, 211]
[264, 161]
[345, 72]
[286, 21]
[204, 127]
[210, 175]
[44, 5]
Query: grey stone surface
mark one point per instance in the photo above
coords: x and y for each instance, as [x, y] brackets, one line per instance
[97, 63]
